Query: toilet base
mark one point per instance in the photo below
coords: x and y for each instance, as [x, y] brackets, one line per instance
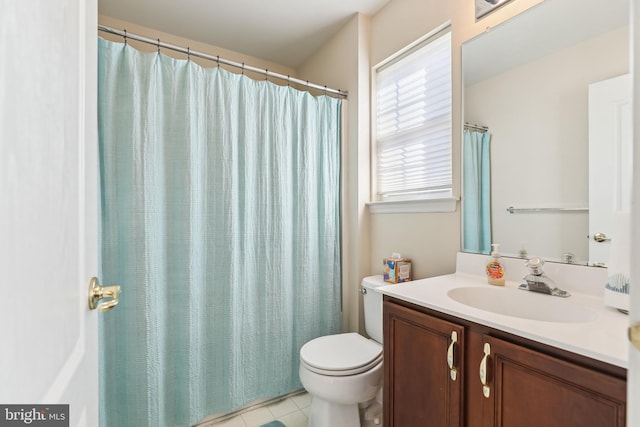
[371, 413]
[323, 413]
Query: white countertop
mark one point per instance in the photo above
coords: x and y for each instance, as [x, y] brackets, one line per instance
[604, 338]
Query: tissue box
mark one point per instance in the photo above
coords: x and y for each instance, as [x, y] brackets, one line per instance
[396, 270]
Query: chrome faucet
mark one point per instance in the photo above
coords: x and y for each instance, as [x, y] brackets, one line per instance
[536, 281]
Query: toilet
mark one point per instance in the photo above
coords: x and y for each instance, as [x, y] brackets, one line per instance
[343, 372]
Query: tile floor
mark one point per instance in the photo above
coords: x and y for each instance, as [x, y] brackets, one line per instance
[292, 412]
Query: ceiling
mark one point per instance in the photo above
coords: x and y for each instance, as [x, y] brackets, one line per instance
[542, 30]
[286, 32]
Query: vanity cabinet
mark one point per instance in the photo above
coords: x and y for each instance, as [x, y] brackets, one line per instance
[501, 380]
[423, 384]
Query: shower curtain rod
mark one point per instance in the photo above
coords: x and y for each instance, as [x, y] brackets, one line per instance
[476, 127]
[127, 35]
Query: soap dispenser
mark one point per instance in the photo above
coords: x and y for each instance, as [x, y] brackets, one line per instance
[495, 269]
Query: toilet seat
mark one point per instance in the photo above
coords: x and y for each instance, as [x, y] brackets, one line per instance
[341, 354]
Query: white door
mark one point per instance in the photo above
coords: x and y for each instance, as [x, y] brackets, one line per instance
[610, 162]
[48, 205]
[633, 376]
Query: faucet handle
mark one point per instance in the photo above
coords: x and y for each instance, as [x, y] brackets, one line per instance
[535, 265]
[544, 289]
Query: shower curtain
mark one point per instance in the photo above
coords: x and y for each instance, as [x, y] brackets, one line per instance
[220, 221]
[476, 217]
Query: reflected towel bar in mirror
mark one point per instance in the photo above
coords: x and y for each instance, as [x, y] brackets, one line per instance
[511, 209]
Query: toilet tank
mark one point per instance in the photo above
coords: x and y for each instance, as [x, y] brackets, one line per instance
[373, 306]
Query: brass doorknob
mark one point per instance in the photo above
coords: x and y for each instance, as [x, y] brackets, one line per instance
[97, 292]
[600, 237]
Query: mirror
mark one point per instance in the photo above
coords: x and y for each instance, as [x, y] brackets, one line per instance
[527, 81]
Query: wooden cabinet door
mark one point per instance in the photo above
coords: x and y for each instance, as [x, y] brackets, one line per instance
[419, 387]
[530, 389]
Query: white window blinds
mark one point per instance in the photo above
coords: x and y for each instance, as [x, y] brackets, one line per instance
[414, 123]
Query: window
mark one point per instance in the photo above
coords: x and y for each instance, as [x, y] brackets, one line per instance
[413, 117]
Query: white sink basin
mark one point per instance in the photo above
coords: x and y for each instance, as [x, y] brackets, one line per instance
[523, 304]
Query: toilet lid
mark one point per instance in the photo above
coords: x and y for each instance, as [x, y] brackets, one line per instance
[341, 354]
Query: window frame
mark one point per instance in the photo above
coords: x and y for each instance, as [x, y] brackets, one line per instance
[436, 203]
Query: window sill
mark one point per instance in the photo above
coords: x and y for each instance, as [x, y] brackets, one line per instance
[414, 206]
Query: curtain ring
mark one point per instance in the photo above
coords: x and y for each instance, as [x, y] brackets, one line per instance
[188, 54]
[243, 68]
[218, 60]
[158, 45]
[266, 74]
[325, 90]
[125, 36]
[288, 80]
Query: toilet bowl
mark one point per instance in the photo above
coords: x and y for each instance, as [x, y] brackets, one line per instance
[344, 371]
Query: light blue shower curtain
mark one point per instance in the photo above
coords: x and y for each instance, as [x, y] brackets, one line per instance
[476, 217]
[220, 221]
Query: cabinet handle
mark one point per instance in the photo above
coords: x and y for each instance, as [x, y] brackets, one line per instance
[453, 371]
[483, 370]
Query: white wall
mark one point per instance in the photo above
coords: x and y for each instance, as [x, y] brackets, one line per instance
[343, 62]
[538, 119]
[430, 239]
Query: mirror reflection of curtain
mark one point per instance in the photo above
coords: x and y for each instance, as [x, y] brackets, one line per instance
[476, 214]
[220, 220]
